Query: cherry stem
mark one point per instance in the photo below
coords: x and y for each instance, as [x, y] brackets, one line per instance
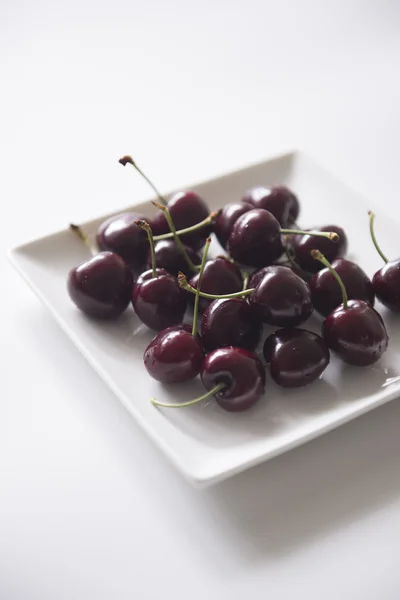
[183, 282]
[211, 217]
[197, 291]
[146, 227]
[331, 235]
[317, 255]
[176, 237]
[214, 390]
[83, 237]
[374, 240]
[128, 159]
[246, 278]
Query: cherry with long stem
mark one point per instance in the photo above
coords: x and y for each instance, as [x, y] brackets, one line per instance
[177, 354]
[317, 255]
[374, 240]
[354, 330]
[176, 237]
[146, 227]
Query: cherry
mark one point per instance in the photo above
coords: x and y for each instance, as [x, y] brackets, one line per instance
[224, 222]
[331, 248]
[234, 376]
[354, 330]
[230, 322]
[386, 281]
[157, 299]
[326, 293]
[296, 356]
[121, 235]
[278, 200]
[220, 277]
[240, 372]
[101, 287]
[169, 257]
[256, 240]
[187, 209]
[282, 298]
[176, 353]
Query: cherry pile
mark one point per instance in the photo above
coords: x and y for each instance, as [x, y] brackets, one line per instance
[272, 273]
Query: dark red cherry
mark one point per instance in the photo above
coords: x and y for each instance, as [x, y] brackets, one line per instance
[120, 234]
[303, 244]
[186, 209]
[296, 356]
[240, 371]
[255, 239]
[220, 277]
[224, 222]
[386, 284]
[326, 294]
[278, 200]
[159, 301]
[282, 298]
[102, 286]
[170, 258]
[174, 355]
[356, 333]
[230, 322]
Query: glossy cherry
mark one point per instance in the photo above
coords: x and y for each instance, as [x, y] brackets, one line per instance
[255, 238]
[354, 330]
[159, 302]
[228, 216]
[157, 299]
[176, 353]
[230, 322]
[296, 356]
[326, 293]
[186, 209]
[121, 235]
[220, 276]
[241, 374]
[282, 298]
[278, 200]
[386, 281]
[302, 246]
[101, 287]
[170, 258]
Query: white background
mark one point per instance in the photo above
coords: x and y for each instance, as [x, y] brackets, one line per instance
[88, 507]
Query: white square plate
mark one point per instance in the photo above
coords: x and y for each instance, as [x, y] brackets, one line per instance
[205, 443]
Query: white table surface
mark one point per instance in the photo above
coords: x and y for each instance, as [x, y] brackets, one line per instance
[88, 507]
